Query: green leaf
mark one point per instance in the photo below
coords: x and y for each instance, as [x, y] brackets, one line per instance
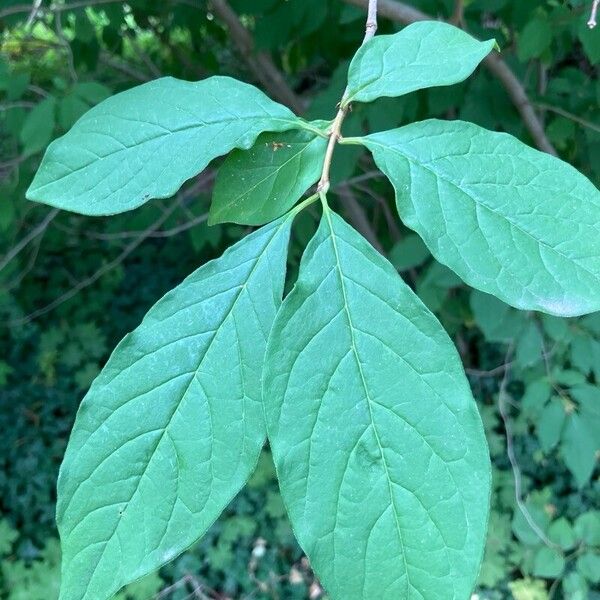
[575, 587]
[8, 536]
[510, 220]
[561, 532]
[578, 448]
[589, 566]
[529, 346]
[498, 321]
[588, 397]
[146, 142]
[550, 424]
[422, 55]
[522, 528]
[548, 563]
[378, 445]
[535, 38]
[409, 253]
[173, 426]
[590, 40]
[258, 185]
[91, 91]
[587, 527]
[71, 108]
[38, 126]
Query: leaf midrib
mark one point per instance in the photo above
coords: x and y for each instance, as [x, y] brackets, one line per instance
[476, 200]
[175, 131]
[327, 214]
[183, 395]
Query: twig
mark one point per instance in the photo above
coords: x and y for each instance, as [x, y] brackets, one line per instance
[26, 8]
[124, 68]
[458, 16]
[392, 222]
[510, 451]
[568, 115]
[358, 216]
[491, 372]
[336, 128]
[593, 15]
[16, 104]
[123, 235]
[32, 15]
[260, 63]
[334, 136]
[95, 276]
[403, 13]
[371, 27]
[108, 266]
[35, 232]
[65, 43]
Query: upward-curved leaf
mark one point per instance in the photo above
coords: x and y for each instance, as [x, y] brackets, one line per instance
[511, 221]
[378, 445]
[424, 54]
[146, 142]
[173, 426]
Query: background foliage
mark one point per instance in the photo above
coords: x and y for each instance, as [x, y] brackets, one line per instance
[71, 287]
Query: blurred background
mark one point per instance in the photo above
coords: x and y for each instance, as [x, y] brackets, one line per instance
[71, 286]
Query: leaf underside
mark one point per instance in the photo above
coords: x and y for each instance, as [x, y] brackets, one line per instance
[173, 426]
[424, 54]
[258, 185]
[146, 142]
[511, 221]
[378, 445]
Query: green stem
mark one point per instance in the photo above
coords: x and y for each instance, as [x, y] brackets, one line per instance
[299, 207]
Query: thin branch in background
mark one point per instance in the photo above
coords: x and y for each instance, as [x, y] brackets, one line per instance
[123, 235]
[66, 45]
[33, 14]
[594, 14]
[36, 89]
[54, 8]
[358, 216]
[84, 283]
[17, 104]
[458, 16]
[499, 370]
[392, 222]
[124, 68]
[34, 233]
[510, 451]
[260, 63]
[144, 57]
[403, 13]
[568, 115]
[16, 281]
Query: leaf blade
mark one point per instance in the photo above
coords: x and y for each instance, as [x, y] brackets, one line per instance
[339, 371]
[424, 54]
[147, 141]
[151, 463]
[509, 220]
[258, 185]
